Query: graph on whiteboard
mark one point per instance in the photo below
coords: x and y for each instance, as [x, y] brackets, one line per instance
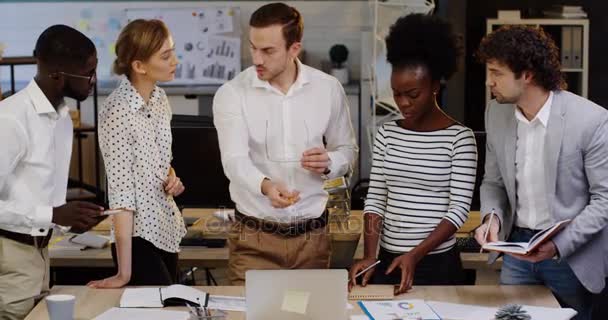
[207, 42]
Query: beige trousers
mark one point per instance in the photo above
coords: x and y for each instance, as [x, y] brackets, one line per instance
[24, 278]
[251, 248]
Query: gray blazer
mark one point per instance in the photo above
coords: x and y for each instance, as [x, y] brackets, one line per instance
[576, 169]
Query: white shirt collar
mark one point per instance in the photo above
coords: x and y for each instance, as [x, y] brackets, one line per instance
[542, 115]
[301, 80]
[41, 103]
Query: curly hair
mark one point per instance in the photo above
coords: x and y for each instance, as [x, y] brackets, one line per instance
[525, 48]
[421, 40]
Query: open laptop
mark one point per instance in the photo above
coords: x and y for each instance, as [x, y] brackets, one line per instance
[296, 294]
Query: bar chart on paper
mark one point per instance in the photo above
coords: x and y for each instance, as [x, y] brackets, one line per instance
[219, 71]
[222, 50]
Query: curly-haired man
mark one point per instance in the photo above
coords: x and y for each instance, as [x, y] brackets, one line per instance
[546, 161]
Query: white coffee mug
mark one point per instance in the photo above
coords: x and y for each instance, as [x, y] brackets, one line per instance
[60, 306]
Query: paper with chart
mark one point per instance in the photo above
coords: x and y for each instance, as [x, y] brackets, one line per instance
[207, 42]
[398, 309]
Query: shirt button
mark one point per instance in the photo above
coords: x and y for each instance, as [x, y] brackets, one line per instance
[41, 230]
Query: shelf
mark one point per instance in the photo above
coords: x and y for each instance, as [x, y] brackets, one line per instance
[7, 61]
[85, 128]
[541, 21]
[79, 194]
[573, 70]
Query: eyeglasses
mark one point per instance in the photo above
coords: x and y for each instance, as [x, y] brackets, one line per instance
[279, 151]
[89, 78]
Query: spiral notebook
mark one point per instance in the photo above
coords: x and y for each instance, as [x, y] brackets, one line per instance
[372, 292]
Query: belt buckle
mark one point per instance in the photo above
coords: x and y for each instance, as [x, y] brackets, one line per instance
[290, 231]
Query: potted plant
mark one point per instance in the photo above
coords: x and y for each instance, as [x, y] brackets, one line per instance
[338, 54]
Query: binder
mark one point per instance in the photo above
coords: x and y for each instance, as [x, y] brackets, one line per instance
[566, 50]
[577, 47]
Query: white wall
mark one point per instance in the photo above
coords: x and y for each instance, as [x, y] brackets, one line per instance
[325, 23]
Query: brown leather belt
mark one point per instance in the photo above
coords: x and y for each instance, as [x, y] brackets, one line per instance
[38, 242]
[284, 229]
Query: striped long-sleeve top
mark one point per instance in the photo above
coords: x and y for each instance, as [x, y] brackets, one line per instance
[419, 179]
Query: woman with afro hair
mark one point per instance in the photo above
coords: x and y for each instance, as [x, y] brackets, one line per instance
[424, 165]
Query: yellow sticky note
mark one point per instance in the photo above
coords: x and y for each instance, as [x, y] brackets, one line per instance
[295, 301]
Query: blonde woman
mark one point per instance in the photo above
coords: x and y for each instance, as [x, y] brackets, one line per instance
[135, 141]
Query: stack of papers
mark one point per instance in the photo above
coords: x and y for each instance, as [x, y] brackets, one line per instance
[567, 12]
[454, 311]
[142, 314]
[227, 303]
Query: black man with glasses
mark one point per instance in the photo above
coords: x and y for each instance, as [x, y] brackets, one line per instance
[36, 135]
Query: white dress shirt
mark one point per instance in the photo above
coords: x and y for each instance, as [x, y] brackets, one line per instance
[258, 126]
[532, 205]
[135, 141]
[34, 162]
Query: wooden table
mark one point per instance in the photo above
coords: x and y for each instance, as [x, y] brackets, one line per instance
[346, 233]
[92, 302]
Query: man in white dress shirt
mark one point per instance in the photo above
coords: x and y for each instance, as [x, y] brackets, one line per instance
[282, 127]
[36, 135]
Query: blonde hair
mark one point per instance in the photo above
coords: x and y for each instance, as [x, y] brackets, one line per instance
[139, 40]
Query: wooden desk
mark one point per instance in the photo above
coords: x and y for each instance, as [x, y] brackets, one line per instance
[346, 233]
[92, 302]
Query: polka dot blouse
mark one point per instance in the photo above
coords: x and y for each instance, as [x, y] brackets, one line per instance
[135, 141]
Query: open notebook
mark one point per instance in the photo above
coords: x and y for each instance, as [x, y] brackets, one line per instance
[176, 294]
[527, 247]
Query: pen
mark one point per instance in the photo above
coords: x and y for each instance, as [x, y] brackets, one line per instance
[485, 234]
[364, 270]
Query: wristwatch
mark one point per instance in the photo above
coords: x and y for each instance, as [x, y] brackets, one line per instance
[327, 171]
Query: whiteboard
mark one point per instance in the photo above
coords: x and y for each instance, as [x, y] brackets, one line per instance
[22, 23]
[207, 42]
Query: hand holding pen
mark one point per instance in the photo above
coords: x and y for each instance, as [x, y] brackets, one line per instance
[488, 232]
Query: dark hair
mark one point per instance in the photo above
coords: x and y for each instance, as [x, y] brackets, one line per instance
[524, 48]
[139, 40]
[280, 14]
[422, 40]
[63, 45]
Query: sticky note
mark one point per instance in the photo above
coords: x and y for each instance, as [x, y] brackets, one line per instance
[295, 301]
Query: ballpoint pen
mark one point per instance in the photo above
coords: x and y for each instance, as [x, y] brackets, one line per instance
[365, 270]
[485, 234]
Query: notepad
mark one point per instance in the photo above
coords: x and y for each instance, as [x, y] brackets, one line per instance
[176, 294]
[527, 247]
[372, 292]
